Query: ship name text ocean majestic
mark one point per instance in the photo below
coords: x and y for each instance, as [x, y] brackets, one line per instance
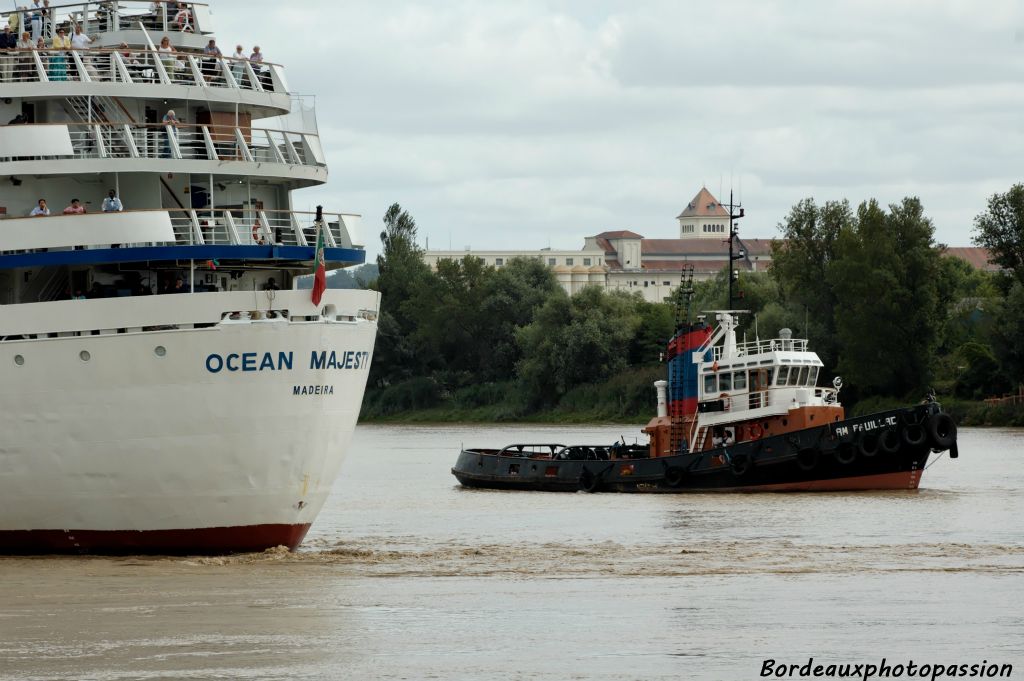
[153, 335]
[283, 361]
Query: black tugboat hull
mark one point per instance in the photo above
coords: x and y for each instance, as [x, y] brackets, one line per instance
[884, 451]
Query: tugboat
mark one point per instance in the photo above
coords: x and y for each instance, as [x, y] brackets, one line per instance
[734, 416]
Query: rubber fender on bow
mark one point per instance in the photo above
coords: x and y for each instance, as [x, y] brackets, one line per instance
[913, 434]
[867, 445]
[807, 459]
[941, 431]
[889, 442]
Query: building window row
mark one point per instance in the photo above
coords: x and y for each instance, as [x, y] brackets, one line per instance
[710, 229]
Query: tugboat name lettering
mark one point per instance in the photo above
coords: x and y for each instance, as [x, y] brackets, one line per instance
[873, 424]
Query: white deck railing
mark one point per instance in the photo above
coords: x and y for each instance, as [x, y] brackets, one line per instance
[761, 347]
[138, 66]
[105, 140]
[251, 227]
[245, 227]
[112, 15]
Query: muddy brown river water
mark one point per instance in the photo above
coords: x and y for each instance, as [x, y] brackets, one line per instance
[406, 575]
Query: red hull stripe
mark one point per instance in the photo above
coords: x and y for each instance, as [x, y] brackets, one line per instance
[204, 540]
[902, 480]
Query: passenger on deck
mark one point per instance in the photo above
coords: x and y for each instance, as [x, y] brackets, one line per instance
[167, 57]
[25, 65]
[238, 65]
[179, 286]
[80, 41]
[8, 41]
[112, 204]
[271, 285]
[171, 124]
[40, 210]
[183, 18]
[58, 68]
[76, 208]
[36, 20]
[14, 21]
[210, 55]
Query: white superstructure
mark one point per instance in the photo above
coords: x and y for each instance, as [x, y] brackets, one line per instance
[163, 387]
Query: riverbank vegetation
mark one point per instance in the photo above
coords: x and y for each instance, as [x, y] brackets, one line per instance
[880, 301]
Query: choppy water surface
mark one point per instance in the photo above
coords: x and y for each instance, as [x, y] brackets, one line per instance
[407, 575]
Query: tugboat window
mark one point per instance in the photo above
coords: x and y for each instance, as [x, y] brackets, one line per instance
[709, 385]
[783, 375]
[725, 382]
[813, 379]
[794, 376]
[803, 376]
[739, 380]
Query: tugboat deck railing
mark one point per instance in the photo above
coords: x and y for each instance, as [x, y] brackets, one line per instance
[762, 347]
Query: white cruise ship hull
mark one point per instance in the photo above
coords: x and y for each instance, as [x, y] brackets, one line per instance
[189, 440]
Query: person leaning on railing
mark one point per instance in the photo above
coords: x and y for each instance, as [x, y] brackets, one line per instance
[166, 54]
[58, 68]
[8, 43]
[23, 67]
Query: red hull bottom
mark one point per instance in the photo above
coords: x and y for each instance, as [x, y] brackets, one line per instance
[883, 481]
[203, 540]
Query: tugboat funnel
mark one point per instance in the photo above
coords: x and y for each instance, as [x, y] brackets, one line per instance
[661, 387]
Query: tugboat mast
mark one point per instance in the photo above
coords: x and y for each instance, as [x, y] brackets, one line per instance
[734, 274]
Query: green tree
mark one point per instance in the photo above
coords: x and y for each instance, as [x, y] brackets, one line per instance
[801, 262]
[512, 298]
[401, 271]
[576, 340]
[1008, 341]
[1000, 229]
[887, 313]
[450, 326]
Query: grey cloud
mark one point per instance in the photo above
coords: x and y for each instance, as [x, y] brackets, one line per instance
[507, 125]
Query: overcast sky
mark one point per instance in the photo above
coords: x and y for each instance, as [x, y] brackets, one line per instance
[534, 123]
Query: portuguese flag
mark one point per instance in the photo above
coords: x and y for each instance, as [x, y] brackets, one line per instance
[320, 276]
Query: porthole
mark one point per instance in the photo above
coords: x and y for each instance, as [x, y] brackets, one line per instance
[19, 360]
[84, 355]
[160, 351]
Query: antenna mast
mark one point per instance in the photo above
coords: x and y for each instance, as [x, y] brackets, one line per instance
[734, 255]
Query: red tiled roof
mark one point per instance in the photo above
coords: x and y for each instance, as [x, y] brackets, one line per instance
[603, 244]
[677, 265]
[620, 234]
[975, 256]
[704, 205]
[683, 246]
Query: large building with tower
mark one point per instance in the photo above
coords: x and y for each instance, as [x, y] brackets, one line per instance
[625, 260]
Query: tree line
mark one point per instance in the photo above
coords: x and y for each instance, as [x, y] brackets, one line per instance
[868, 286]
